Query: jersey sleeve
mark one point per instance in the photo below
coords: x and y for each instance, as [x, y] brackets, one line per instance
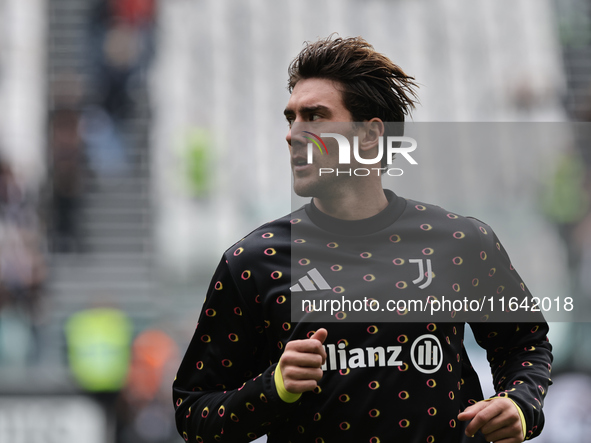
[519, 353]
[224, 389]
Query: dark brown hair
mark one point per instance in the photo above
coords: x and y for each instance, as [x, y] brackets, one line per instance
[372, 86]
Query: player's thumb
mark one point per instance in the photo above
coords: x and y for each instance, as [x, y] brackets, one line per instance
[471, 411]
[320, 335]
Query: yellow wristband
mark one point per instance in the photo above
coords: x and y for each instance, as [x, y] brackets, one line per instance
[522, 417]
[284, 394]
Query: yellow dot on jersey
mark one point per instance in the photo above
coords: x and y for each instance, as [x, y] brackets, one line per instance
[394, 238]
[373, 385]
[372, 329]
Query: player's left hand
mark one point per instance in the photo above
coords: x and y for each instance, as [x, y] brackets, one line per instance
[498, 419]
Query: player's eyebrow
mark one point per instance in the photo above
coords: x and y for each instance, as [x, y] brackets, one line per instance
[308, 110]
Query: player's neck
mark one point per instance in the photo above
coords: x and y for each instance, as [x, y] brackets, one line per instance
[358, 205]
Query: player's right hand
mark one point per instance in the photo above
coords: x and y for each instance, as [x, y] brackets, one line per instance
[301, 362]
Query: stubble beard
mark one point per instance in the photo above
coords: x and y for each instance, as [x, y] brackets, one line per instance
[320, 187]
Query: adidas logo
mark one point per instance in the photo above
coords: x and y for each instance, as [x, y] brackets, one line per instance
[312, 281]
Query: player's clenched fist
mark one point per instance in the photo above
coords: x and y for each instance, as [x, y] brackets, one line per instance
[301, 361]
[498, 419]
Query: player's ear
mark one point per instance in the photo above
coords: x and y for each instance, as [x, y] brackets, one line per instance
[370, 134]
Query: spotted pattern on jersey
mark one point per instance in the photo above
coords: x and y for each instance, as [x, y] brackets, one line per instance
[373, 389]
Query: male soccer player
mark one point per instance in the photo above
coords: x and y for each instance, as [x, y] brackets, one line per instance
[250, 370]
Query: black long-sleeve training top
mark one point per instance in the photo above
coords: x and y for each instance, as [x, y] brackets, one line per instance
[384, 381]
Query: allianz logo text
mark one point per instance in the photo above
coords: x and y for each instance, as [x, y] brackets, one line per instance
[426, 355]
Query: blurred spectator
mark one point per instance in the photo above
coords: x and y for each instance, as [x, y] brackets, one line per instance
[99, 342]
[121, 48]
[144, 410]
[566, 202]
[130, 379]
[67, 162]
[22, 268]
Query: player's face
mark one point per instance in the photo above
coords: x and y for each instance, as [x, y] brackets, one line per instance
[317, 101]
